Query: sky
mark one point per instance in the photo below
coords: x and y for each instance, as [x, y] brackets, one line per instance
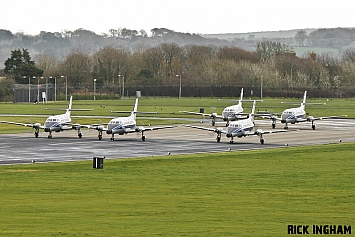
[187, 16]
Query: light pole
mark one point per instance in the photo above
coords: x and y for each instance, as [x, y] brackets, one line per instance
[66, 87]
[55, 88]
[122, 85]
[46, 89]
[261, 87]
[37, 99]
[94, 89]
[29, 88]
[179, 87]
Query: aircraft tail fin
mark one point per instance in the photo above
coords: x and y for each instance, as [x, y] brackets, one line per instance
[253, 110]
[69, 106]
[304, 100]
[241, 97]
[134, 112]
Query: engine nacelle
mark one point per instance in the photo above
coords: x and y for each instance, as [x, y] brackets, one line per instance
[310, 119]
[76, 126]
[109, 131]
[47, 129]
[36, 125]
[99, 128]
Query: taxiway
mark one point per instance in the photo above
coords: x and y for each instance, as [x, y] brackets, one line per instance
[66, 146]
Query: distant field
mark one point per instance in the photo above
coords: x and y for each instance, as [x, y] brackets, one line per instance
[241, 193]
[166, 107]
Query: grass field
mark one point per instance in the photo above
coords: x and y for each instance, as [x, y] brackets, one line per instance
[166, 107]
[242, 193]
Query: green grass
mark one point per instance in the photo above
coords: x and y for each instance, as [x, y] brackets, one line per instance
[246, 193]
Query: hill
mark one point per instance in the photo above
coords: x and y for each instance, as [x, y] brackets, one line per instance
[59, 44]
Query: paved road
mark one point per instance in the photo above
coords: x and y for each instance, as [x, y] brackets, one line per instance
[66, 146]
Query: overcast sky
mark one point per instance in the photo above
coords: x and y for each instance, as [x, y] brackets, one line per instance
[193, 16]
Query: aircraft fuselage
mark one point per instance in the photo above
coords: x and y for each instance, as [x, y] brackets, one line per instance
[292, 115]
[239, 128]
[121, 126]
[56, 123]
[230, 113]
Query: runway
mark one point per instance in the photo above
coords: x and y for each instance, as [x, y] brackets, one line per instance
[66, 146]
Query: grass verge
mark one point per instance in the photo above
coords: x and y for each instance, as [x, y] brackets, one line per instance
[243, 193]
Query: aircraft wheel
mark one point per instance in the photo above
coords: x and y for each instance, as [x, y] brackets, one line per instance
[231, 142]
[49, 136]
[314, 127]
[100, 138]
[273, 126]
[218, 139]
[80, 135]
[36, 135]
[143, 138]
[285, 127]
[262, 141]
[213, 123]
[112, 139]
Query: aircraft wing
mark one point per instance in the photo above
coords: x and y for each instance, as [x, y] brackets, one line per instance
[24, 124]
[140, 128]
[261, 132]
[99, 127]
[334, 117]
[311, 118]
[216, 130]
[268, 116]
[213, 115]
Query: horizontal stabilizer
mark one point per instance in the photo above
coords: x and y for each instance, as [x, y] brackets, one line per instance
[129, 112]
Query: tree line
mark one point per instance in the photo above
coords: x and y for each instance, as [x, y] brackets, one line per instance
[274, 66]
[205, 69]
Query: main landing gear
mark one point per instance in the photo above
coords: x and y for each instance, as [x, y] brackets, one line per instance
[80, 135]
[100, 135]
[273, 125]
[313, 126]
[219, 135]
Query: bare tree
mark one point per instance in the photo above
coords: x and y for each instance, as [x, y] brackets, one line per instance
[300, 37]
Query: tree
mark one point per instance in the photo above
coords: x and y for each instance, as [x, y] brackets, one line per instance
[300, 37]
[20, 65]
[268, 49]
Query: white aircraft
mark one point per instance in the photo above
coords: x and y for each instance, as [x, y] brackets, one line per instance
[124, 125]
[230, 113]
[296, 115]
[239, 128]
[56, 123]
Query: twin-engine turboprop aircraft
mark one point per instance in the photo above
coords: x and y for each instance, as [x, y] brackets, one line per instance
[124, 125]
[230, 113]
[239, 128]
[56, 123]
[297, 115]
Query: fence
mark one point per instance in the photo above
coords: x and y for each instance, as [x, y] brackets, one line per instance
[23, 94]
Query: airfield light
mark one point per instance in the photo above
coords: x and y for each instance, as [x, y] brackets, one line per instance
[179, 87]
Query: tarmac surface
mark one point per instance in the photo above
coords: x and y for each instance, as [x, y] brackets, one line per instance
[66, 146]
